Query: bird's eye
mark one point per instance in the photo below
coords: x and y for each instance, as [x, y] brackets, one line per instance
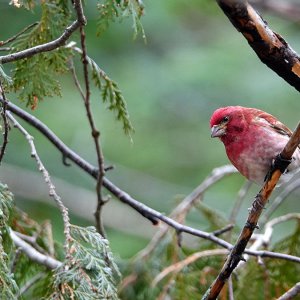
[225, 119]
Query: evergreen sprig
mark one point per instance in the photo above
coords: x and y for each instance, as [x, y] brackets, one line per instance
[89, 272]
[112, 10]
[8, 286]
[36, 77]
[112, 95]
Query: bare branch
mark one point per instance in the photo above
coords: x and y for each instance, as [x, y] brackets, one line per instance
[52, 192]
[269, 46]
[94, 131]
[60, 41]
[238, 202]
[11, 39]
[265, 238]
[30, 283]
[177, 267]
[280, 164]
[279, 199]
[5, 122]
[291, 293]
[33, 254]
[144, 210]
[180, 211]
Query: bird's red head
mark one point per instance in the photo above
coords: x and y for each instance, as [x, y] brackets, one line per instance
[227, 121]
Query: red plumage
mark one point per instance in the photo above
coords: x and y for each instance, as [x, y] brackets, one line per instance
[252, 139]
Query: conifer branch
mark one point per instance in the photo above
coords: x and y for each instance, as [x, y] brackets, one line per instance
[46, 47]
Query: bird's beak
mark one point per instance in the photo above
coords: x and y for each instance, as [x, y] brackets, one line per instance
[218, 130]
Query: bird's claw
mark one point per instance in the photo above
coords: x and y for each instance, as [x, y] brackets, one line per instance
[279, 163]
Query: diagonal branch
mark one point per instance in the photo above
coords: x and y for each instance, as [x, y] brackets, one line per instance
[269, 46]
[291, 293]
[280, 164]
[141, 208]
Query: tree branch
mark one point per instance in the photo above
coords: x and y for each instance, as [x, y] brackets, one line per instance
[94, 131]
[5, 123]
[291, 293]
[52, 191]
[280, 164]
[60, 41]
[33, 254]
[144, 210]
[269, 46]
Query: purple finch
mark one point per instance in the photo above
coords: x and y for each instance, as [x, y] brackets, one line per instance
[252, 139]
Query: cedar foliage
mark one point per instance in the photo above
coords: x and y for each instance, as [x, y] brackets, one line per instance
[91, 271]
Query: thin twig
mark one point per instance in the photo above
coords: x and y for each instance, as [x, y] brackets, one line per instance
[280, 164]
[291, 293]
[94, 131]
[239, 200]
[11, 39]
[5, 123]
[75, 78]
[52, 191]
[180, 211]
[230, 288]
[177, 267]
[33, 254]
[279, 199]
[144, 210]
[60, 41]
[263, 240]
[30, 283]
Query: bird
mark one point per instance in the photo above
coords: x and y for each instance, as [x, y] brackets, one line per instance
[252, 139]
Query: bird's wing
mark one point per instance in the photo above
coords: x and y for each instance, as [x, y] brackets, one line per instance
[265, 119]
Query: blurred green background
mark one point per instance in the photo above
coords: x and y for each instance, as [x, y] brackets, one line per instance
[193, 62]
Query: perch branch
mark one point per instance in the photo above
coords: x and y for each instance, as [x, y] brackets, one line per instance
[280, 164]
[269, 46]
[144, 210]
